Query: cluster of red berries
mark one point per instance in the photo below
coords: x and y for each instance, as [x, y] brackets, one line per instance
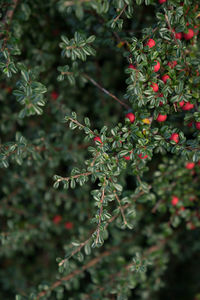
[174, 136]
[139, 155]
[174, 201]
[131, 118]
[58, 219]
[184, 105]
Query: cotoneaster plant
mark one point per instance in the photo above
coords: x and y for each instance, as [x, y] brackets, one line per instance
[99, 149]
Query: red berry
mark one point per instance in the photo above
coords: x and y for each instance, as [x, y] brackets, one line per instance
[131, 117]
[54, 95]
[172, 64]
[197, 124]
[175, 137]
[9, 89]
[174, 201]
[155, 87]
[181, 103]
[57, 219]
[157, 66]
[140, 156]
[132, 67]
[162, 1]
[97, 139]
[190, 124]
[161, 118]
[69, 225]
[189, 35]
[188, 106]
[151, 43]
[178, 35]
[190, 165]
[165, 78]
[127, 157]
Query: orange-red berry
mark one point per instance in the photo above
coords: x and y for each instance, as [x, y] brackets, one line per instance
[161, 118]
[131, 117]
[69, 225]
[190, 165]
[175, 200]
[97, 139]
[132, 67]
[181, 103]
[175, 137]
[187, 106]
[165, 78]
[155, 87]
[189, 35]
[127, 157]
[157, 66]
[57, 219]
[151, 43]
[197, 124]
[54, 95]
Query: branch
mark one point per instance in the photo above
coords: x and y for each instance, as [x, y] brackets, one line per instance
[113, 277]
[74, 176]
[10, 12]
[171, 30]
[80, 125]
[107, 224]
[105, 91]
[121, 208]
[75, 251]
[100, 212]
[91, 263]
[78, 271]
[8, 19]
[121, 12]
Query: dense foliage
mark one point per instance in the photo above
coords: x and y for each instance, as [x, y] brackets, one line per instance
[100, 149]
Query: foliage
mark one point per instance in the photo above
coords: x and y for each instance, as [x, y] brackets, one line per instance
[95, 204]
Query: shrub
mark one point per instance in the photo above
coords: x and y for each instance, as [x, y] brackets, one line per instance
[100, 153]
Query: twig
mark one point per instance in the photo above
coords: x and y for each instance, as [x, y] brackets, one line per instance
[87, 241]
[171, 30]
[10, 12]
[75, 251]
[121, 208]
[7, 19]
[100, 212]
[78, 271]
[74, 176]
[92, 262]
[80, 125]
[113, 277]
[156, 206]
[105, 91]
[121, 12]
